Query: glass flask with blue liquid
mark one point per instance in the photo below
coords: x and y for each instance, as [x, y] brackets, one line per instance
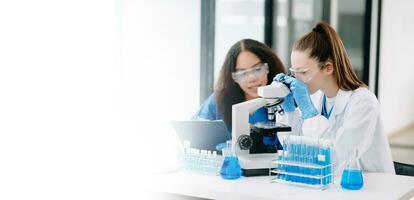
[231, 167]
[352, 178]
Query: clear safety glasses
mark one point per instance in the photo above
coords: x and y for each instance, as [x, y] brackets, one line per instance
[257, 71]
[304, 74]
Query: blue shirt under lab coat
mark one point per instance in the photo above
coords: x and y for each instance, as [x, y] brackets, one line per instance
[208, 110]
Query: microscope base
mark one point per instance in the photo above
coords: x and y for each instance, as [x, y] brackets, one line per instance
[256, 164]
[255, 172]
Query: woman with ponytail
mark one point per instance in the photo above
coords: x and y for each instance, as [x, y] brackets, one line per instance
[327, 100]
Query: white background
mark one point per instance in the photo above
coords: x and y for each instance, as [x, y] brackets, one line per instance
[396, 76]
[87, 89]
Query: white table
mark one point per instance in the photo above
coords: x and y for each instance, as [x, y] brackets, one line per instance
[376, 186]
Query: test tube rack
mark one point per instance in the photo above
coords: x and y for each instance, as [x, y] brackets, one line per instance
[199, 161]
[312, 167]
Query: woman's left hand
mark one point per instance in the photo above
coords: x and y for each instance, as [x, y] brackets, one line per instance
[301, 95]
[288, 103]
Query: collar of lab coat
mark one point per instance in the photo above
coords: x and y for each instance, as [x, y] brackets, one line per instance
[340, 101]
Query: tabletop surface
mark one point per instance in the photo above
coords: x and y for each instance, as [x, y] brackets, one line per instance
[376, 186]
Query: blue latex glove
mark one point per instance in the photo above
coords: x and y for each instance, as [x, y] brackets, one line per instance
[280, 77]
[301, 96]
[288, 104]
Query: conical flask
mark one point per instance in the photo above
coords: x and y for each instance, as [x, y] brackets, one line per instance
[231, 167]
[352, 178]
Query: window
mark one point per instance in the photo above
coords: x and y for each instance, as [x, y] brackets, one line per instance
[236, 20]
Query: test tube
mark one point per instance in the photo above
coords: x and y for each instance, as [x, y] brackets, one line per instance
[322, 159]
[315, 151]
[216, 162]
[189, 158]
[291, 149]
[284, 154]
[197, 159]
[279, 166]
[327, 153]
[295, 159]
[202, 161]
[192, 159]
[288, 156]
[330, 168]
[212, 163]
[305, 159]
[301, 151]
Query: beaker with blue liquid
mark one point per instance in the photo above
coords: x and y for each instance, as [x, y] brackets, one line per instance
[352, 178]
[231, 167]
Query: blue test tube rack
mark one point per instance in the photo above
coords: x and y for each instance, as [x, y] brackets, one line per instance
[304, 161]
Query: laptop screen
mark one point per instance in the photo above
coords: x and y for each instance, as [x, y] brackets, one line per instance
[202, 134]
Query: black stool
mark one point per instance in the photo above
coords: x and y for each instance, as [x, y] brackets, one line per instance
[404, 169]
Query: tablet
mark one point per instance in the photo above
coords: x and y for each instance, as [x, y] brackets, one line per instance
[202, 134]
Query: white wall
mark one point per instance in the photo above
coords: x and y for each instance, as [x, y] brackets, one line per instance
[61, 137]
[236, 20]
[160, 74]
[160, 70]
[396, 80]
[87, 88]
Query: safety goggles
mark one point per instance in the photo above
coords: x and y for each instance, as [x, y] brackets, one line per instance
[294, 71]
[304, 74]
[257, 71]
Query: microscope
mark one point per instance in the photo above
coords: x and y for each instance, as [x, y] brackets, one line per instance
[249, 140]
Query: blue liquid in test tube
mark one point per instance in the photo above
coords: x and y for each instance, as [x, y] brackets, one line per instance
[328, 161]
[295, 159]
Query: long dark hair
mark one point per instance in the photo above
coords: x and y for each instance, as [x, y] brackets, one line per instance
[229, 92]
[324, 43]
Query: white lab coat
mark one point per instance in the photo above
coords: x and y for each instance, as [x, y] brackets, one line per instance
[354, 123]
